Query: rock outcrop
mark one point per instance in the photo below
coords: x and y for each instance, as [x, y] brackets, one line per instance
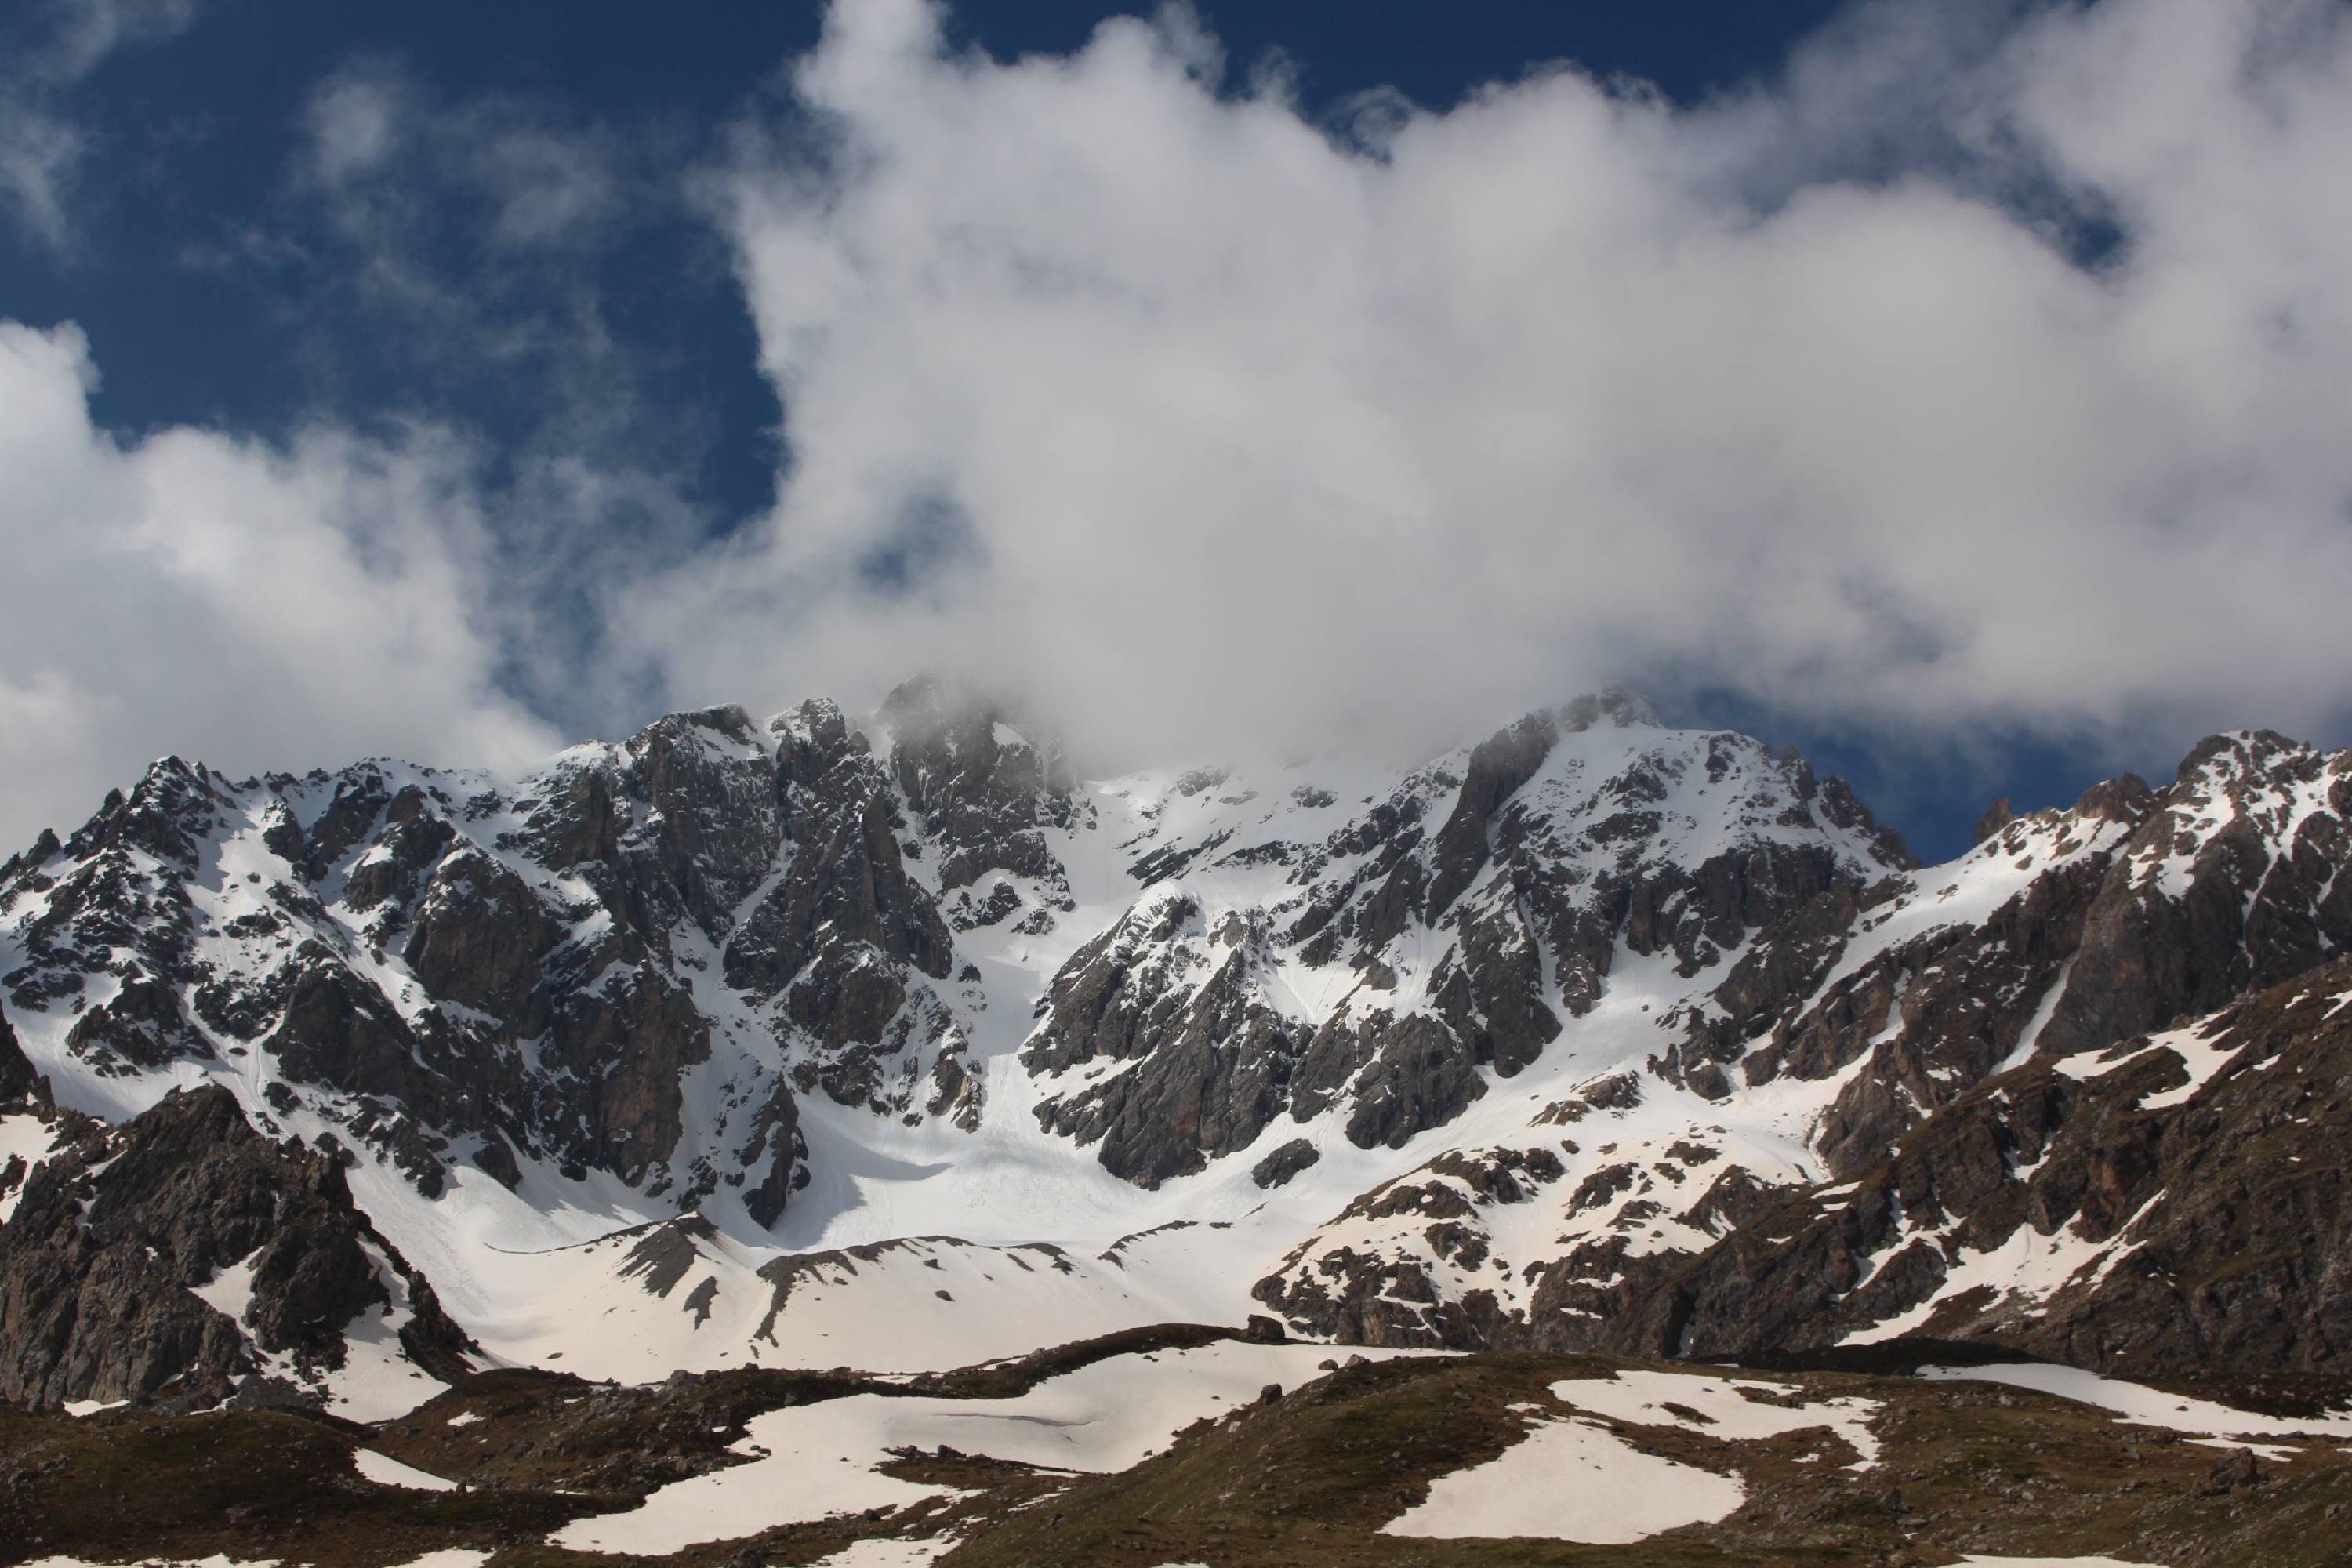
[120, 1236]
[2174, 1202]
[19, 1081]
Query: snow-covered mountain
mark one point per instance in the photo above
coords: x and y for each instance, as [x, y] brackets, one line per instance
[889, 1042]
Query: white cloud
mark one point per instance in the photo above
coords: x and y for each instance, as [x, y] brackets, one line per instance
[388, 154]
[42, 142]
[1207, 428]
[39, 155]
[249, 606]
[1249, 435]
[355, 121]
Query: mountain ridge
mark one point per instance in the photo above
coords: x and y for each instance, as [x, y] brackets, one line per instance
[833, 986]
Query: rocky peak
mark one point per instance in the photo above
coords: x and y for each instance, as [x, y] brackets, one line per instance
[2228, 883]
[2126, 798]
[1560, 843]
[1498, 766]
[43, 849]
[1613, 705]
[166, 814]
[2065, 931]
[708, 826]
[985, 792]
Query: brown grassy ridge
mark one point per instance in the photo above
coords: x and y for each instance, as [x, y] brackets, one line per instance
[1305, 1479]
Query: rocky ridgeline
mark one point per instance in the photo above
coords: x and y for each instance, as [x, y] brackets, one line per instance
[2138, 907]
[1991, 1178]
[437, 968]
[641, 960]
[1479, 908]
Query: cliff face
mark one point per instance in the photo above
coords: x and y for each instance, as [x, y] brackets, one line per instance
[181, 1257]
[19, 1081]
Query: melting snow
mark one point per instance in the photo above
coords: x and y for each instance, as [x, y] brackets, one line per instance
[811, 1462]
[1723, 1407]
[1569, 1481]
[385, 1471]
[2026, 1264]
[873, 1552]
[25, 1138]
[2198, 1056]
[2144, 1406]
[230, 1290]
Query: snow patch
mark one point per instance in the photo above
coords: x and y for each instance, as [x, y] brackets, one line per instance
[2140, 1406]
[874, 1552]
[385, 1471]
[815, 1461]
[1723, 1407]
[29, 1139]
[1570, 1481]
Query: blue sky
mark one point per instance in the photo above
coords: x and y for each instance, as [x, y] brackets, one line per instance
[212, 292]
[417, 374]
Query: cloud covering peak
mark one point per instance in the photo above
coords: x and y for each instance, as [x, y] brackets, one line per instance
[253, 605]
[1963, 375]
[1984, 370]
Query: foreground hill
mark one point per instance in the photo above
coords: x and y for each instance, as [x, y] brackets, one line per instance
[1184, 1444]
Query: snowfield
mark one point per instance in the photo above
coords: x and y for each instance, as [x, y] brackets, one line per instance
[1735, 1410]
[1570, 1481]
[385, 1471]
[1572, 1478]
[2143, 1407]
[814, 1461]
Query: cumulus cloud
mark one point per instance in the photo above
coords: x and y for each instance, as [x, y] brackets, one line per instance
[1975, 374]
[1985, 371]
[252, 606]
[50, 52]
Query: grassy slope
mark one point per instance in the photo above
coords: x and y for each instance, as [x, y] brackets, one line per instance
[1307, 1479]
